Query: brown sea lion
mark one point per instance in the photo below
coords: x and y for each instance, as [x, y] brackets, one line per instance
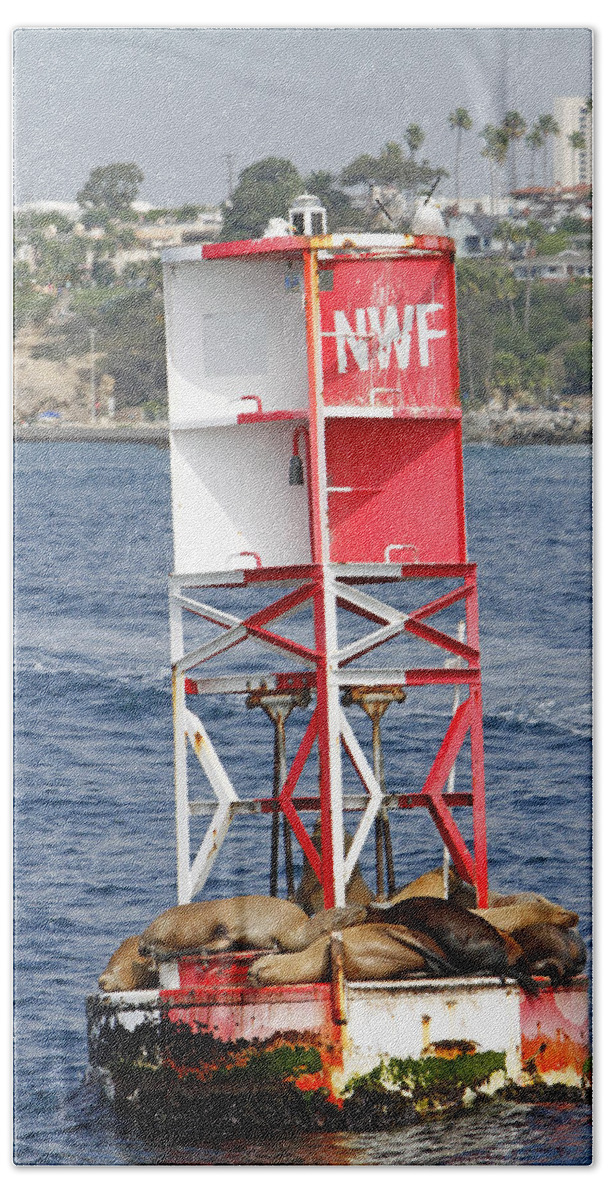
[326, 921]
[431, 884]
[128, 970]
[256, 922]
[501, 900]
[514, 917]
[469, 944]
[553, 950]
[310, 893]
[370, 952]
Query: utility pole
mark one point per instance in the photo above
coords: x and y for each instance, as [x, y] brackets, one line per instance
[230, 166]
[93, 404]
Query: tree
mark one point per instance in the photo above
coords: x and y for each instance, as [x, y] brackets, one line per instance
[130, 336]
[577, 368]
[577, 143]
[414, 137]
[187, 212]
[340, 212]
[360, 170]
[506, 373]
[495, 150]
[509, 235]
[111, 189]
[514, 126]
[549, 128]
[391, 169]
[535, 141]
[264, 190]
[460, 121]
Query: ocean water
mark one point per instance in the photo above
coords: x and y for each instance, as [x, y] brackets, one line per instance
[94, 827]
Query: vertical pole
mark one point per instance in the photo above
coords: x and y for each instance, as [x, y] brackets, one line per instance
[182, 812]
[326, 635]
[378, 760]
[452, 775]
[480, 851]
[278, 717]
[479, 800]
[180, 762]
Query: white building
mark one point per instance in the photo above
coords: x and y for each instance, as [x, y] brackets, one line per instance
[571, 167]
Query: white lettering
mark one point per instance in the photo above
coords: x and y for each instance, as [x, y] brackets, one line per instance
[345, 336]
[391, 334]
[425, 335]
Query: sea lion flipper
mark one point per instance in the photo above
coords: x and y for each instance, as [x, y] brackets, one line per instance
[431, 953]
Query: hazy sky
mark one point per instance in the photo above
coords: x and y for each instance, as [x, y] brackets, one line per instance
[177, 100]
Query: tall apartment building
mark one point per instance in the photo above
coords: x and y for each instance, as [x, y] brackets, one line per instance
[571, 166]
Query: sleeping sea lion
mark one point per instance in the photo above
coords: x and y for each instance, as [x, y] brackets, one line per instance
[128, 970]
[501, 900]
[310, 893]
[469, 944]
[370, 952]
[553, 950]
[326, 921]
[514, 917]
[431, 884]
[257, 922]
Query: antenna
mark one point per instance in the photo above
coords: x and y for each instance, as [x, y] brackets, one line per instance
[430, 193]
[384, 210]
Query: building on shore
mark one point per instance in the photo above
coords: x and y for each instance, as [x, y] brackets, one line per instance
[571, 166]
[558, 268]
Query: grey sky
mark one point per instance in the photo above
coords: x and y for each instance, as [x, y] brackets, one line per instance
[176, 100]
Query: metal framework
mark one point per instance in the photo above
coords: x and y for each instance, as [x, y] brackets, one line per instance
[327, 671]
[334, 870]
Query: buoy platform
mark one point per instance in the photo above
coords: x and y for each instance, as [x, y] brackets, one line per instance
[211, 1048]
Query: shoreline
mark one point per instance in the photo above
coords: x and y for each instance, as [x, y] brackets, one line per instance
[501, 428]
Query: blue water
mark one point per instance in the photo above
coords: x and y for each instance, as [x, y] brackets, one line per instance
[94, 829]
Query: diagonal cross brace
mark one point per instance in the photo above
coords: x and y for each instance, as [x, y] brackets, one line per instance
[285, 796]
[434, 784]
[292, 601]
[353, 600]
[437, 638]
[370, 783]
[252, 627]
[226, 797]
[435, 606]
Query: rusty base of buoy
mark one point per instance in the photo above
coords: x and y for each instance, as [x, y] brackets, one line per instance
[215, 1054]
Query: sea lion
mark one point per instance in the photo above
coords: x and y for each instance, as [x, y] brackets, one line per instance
[553, 950]
[370, 952]
[469, 944]
[256, 922]
[514, 917]
[310, 893]
[501, 900]
[128, 970]
[431, 884]
[326, 921]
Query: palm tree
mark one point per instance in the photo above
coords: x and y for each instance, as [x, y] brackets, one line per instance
[414, 136]
[549, 128]
[495, 150]
[459, 120]
[577, 142]
[514, 126]
[535, 141]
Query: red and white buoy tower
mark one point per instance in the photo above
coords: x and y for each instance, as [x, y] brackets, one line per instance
[316, 467]
[329, 361]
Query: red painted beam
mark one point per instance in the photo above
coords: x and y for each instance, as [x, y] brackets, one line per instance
[443, 640]
[435, 606]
